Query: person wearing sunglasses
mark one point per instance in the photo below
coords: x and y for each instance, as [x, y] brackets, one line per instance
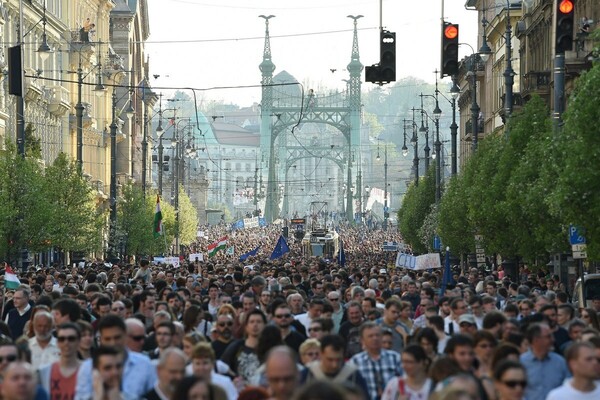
[59, 378]
[8, 353]
[583, 364]
[510, 380]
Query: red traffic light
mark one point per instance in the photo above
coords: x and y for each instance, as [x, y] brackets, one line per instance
[565, 6]
[451, 31]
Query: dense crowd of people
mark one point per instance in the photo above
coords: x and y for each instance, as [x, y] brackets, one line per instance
[294, 327]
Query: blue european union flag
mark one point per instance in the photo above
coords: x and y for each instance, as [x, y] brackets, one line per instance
[280, 248]
[341, 255]
[251, 253]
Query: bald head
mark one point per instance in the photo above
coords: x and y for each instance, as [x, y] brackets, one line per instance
[136, 334]
[281, 371]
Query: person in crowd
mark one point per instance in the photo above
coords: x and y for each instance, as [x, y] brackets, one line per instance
[315, 308]
[164, 338]
[583, 363]
[510, 380]
[170, 370]
[18, 382]
[376, 364]
[196, 388]
[309, 351]
[282, 318]
[414, 382]
[18, 316]
[241, 355]
[349, 330]
[282, 373]
[59, 378]
[390, 321]
[203, 366]
[331, 367]
[546, 370]
[223, 333]
[43, 346]
[136, 333]
[113, 333]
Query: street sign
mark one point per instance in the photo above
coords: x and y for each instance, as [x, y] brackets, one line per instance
[579, 255]
[479, 250]
[437, 243]
[576, 235]
[579, 247]
[480, 258]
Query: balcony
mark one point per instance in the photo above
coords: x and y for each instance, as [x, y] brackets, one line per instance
[87, 121]
[59, 101]
[33, 90]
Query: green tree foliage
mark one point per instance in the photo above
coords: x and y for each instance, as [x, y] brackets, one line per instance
[415, 208]
[45, 208]
[74, 223]
[135, 217]
[534, 229]
[576, 197]
[455, 227]
[188, 219]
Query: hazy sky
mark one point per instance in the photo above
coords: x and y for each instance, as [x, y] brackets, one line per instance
[214, 43]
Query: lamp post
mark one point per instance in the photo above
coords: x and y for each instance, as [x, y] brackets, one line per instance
[113, 178]
[159, 132]
[386, 213]
[425, 129]
[454, 92]
[475, 57]
[437, 113]
[415, 141]
[99, 90]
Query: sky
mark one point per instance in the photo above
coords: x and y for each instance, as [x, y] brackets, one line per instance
[211, 44]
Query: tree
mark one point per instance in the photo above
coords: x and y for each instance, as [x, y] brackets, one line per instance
[455, 228]
[188, 219]
[73, 222]
[135, 217]
[415, 207]
[576, 195]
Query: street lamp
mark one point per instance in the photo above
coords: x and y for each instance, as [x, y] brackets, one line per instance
[475, 58]
[99, 89]
[425, 129]
[404, 148]
[454, 93]
[415, 141]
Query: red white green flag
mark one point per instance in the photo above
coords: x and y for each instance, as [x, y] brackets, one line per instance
[157, 231]
[10, 279]
[217, 245]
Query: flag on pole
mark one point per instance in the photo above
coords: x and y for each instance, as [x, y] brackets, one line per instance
[447, 278]
[217, 245]
[157, 219]
[280, 248]
[10, 279]
[251, 253]
[230, 250]
[341, 255]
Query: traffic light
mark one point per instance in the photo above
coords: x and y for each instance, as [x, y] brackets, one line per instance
[449, 49]
[387, 57]
[15, 73]
[385, 71]
[285, 231]
[565, 22]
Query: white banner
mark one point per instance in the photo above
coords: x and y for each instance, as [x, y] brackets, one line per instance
[192, 257]
[174, 261]
[251, 222]
[418, 263]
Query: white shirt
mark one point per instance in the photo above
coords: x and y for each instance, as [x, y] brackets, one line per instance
[566, 391]
[224, 383]
[304, 319]
[41, 357]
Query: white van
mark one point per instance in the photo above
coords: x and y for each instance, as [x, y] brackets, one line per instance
[584, 294]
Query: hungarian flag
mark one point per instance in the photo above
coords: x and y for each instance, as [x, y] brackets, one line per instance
[157, 219]
[217, 245]
[10, 279]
